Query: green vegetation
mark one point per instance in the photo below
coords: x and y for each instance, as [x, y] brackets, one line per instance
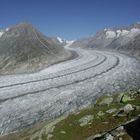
[109, 112]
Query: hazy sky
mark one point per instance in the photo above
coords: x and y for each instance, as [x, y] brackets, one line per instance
[70, 19]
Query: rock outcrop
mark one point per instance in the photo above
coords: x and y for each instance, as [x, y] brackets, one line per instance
[114, 121]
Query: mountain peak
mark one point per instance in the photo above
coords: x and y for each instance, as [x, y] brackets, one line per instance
[26, 49]
[137, 22]
[23, 29]
[135, 25]
[22, 25]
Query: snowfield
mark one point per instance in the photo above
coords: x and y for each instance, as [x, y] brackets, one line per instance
[120, 33]
[60, 39]
[62, 88]
[1, 33]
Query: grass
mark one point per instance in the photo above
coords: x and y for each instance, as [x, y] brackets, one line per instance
[68, 127]
[75, 132]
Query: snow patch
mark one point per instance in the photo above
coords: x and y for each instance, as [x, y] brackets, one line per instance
[1, 33]
[70, 42]
[105, 29]
[7, 29]
[110, 34]
[134, 32]
[119, 33]
[125, 32]
[60, 39]
[131, 33]
[122, 32]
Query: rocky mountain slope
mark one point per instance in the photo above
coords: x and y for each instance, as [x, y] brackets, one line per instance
[123, 39]
[24, 49]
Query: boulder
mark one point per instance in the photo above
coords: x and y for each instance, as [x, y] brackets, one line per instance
[85, 120]
[128, 108]
[126, 98]
[110, 111]
[109, 137]
[106, 101]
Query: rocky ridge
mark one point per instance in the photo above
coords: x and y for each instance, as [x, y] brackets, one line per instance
[126, 39]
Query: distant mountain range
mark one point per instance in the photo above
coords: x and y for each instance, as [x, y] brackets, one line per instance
[24, 49]
[125, 39]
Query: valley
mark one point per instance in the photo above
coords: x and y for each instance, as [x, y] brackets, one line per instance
[63, 88]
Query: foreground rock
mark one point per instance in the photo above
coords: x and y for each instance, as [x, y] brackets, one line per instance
[114, 121]
[128, 131]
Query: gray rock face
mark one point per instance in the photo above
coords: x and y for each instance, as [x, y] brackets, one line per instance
[86, 120]
[97, 41]
[133, 46]
[106, 101]
[128, 108]
[24, 49]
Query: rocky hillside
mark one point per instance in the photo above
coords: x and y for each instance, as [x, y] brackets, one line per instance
[111, 117]
[132, 46]
[24, 49]
[125, 39]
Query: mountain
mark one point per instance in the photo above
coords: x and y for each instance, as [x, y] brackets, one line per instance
[129, 42]
[133, 46]
[123, 38]
[25, 49]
